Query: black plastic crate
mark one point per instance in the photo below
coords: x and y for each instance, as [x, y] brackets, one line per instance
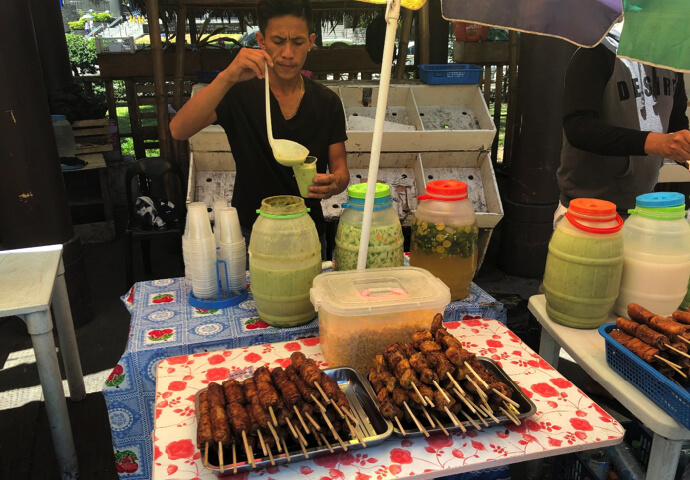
[571, 467]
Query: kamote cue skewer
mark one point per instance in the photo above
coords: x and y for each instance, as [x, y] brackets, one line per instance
[416, 420]
[440, 425]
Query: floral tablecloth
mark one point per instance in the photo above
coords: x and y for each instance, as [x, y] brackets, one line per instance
[165, 325]
[566, 420]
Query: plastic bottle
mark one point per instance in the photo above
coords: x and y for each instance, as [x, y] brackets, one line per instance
[445, 235]
[584, 264]
[656, 266]
[64, 136]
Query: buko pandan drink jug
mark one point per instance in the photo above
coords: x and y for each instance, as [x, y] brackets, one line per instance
[386, 240]
[284, 258]
[445, 234]
[656, 265]
[584, 264]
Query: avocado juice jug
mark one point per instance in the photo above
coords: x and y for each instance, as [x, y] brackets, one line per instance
[584, 264]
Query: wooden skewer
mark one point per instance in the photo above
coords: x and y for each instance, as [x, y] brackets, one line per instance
[668, 362]
[287, 454]
[455, 383]
[481, 419]
[354, 432]
[328, 422]
[301, 420]
[402, 430]
[512, 409]
[330, 449]
[428, 417]
[469, 419]
[316, 436]
[416, 420]
[680, 372]
[487, 406]
[516, 421]
[273, 416]
[465, 401]
[490, 414]
[352, 416]
[428, 400]
[206, 455]
[318, 404]
[220, 457]
[323, 394]
[460, 424]
[292, 429]
[338, 409]
[312, 421]
[270, 456]
[261, 440]
[452, 417]
[234, 458]
[419, 394]
[252, 460]
[340, 440]
[246, 446]
[443, 392]
[304, 450]
[512, 402]
[275, 435]
[486, 385]
[481, 410]
[440, 425]
[299, 434]
[677, 351]
[479, 390]
[683, 339]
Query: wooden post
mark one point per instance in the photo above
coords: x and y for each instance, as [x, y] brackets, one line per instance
[498, 101]
[423, 38]
[512, 97]
[110, 99]
[159, 78]
[179, 57]
[135, 119]
[405, 29]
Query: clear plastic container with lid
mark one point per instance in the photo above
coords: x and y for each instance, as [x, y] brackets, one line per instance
[385, 238]
[656, 267]
[284, 258]
[445, 235]
[64, 136]
[584, 264]
[361, 312]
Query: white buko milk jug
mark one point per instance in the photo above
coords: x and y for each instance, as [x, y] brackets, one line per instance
[656, 265]
[64, 136]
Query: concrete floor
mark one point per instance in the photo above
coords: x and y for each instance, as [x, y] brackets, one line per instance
[26, 450]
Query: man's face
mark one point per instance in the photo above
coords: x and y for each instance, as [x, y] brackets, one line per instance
[287, 41]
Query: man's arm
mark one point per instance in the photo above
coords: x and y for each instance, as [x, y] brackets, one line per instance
[328, 184]
[200, 110]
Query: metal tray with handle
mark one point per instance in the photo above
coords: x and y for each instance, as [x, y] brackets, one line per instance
[373, 428]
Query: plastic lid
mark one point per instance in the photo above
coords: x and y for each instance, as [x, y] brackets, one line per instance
[447, 188]
[378, 291]
[592, 207]
[660, 199]
[359, 190]
[57, 118]
[282, 206]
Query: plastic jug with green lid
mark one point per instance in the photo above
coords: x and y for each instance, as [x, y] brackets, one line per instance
[656, 266]
[584, 264]
[284, 258]
[385, 238]
[445, 235]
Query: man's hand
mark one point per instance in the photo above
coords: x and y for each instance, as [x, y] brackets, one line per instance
[325, 185]
[674, 146]
[248, 63]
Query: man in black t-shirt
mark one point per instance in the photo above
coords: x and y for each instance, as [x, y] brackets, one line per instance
[301, 110]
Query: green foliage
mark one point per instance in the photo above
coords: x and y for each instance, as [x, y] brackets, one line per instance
[82, 54]
[102, 17]
[77, 24]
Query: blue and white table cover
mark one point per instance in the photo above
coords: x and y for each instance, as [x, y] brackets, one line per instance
[165, 325]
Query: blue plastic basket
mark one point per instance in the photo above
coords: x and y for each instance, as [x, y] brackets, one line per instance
[672, 398]
[450, 74]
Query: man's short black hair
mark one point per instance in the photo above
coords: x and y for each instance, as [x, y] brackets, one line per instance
[268, 9]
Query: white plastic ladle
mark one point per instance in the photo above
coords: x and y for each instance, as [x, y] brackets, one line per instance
[286, 152]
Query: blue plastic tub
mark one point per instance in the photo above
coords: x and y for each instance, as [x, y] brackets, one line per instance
[671, 397]
[450, 74]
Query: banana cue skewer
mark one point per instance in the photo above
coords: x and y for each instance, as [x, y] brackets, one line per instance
[204, 434]
[674, 330]
[649, 336]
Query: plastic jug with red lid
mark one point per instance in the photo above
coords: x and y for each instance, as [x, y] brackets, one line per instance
[584, 264]
[445, 235]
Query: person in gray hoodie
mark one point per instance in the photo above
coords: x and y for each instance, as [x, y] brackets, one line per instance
[621, 118]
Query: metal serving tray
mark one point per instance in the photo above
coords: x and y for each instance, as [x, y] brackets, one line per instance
[527, 409]
[372, 427]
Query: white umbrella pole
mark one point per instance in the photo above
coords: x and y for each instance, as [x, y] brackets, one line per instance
[392, 14]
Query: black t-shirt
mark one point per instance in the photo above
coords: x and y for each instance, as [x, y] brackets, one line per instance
[318, 123]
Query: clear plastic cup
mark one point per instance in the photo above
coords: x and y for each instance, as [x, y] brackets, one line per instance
[304, 174]
[231, 232]
[198, 222]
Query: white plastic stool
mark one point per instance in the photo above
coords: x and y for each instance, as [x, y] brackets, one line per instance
[29, 277]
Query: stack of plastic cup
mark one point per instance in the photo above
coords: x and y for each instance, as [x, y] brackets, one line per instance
[199, 251]
[233, 251]
[218, 205]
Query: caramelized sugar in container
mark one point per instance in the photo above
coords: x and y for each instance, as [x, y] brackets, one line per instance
[445, 234]
[584, 264]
